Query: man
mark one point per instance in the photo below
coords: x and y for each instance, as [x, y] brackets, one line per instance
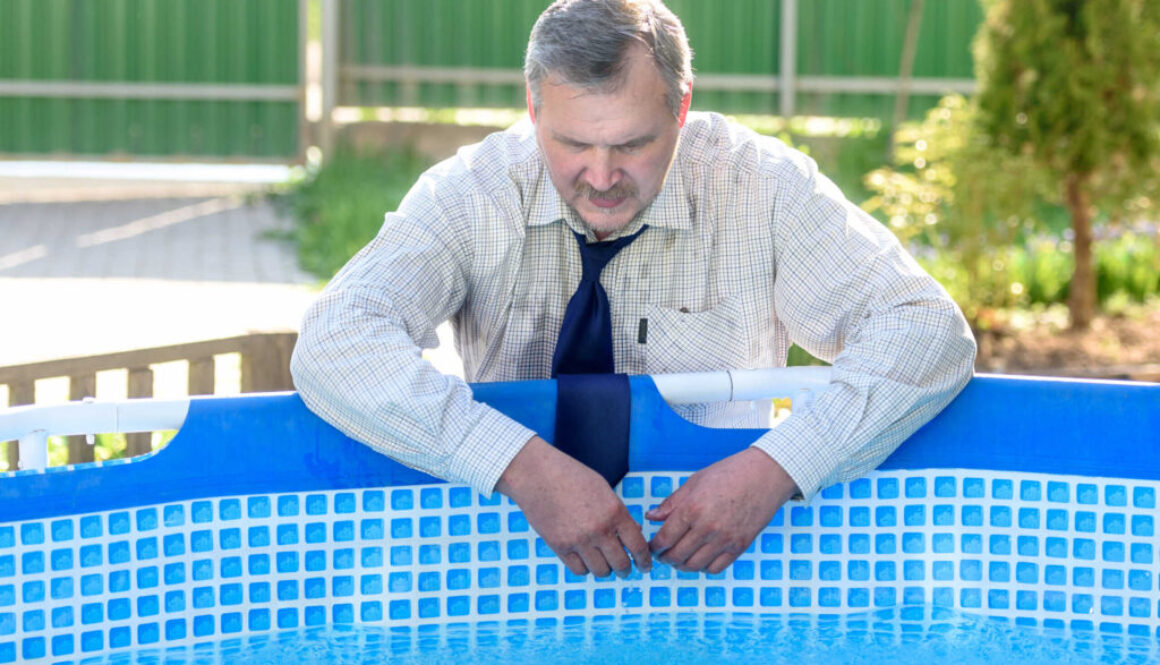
[734, 248]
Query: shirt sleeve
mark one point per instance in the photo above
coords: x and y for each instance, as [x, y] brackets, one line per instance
[850, 294]
[358, 362]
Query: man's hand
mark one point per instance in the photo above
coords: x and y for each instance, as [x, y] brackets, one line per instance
[711, 519]
[574, 511]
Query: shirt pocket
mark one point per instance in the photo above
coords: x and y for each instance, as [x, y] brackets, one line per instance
[683, 341]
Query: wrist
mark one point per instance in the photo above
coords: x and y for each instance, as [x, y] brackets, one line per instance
[527, 464]
[786, 488]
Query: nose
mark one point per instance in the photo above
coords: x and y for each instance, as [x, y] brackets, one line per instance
[602, 171]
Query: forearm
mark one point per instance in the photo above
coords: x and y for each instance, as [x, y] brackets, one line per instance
[897, 371]
[359, 368]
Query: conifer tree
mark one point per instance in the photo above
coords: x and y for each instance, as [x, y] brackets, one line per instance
[1075, 85]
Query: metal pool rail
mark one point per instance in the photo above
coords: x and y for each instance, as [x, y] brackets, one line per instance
[1029, 500]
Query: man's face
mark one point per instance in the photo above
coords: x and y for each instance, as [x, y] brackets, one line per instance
[608, 152]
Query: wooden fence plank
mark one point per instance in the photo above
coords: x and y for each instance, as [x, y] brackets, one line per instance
[266, 364]
[140, 385]
[201, 376]
[123, 359]
[19, 394]
[80, 387]
[265, 367]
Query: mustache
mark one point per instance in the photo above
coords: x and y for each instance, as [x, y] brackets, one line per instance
[621, 190]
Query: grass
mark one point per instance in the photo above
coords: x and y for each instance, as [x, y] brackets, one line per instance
[339, 208]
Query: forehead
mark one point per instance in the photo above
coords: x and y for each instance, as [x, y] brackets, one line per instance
[612, 114]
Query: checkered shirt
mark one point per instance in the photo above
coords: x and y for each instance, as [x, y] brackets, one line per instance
[748, 250]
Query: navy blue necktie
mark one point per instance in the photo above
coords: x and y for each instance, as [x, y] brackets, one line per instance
[592, 404]
[585, 342]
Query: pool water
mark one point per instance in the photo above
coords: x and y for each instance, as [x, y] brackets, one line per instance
[904, 636]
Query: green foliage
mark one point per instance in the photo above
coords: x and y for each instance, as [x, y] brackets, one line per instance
[105, 446]
[1128, 267]
[985, 224]
[339, 208]
[1075, 87]
[1037, 271]
[799, 357]
[1073, 84]
[959, 204]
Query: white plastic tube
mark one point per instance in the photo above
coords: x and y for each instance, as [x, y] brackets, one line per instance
[32, 425]
[738, 385]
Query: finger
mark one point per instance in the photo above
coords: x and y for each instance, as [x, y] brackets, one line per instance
[678, 556]
[575, 563]
[667, 536]
[595, 561]
[616, 557]
[723, 561]
[705, 555]
[662, 512]
[690, 541]
[633, 540]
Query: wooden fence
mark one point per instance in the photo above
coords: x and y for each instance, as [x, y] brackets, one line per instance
[265, 367]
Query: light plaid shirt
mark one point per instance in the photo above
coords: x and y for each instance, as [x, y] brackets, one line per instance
[748, 249]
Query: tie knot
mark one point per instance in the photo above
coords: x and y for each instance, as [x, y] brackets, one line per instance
[594, 257]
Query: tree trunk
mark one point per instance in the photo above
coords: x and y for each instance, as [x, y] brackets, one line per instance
[1082, 295]
[905, 74]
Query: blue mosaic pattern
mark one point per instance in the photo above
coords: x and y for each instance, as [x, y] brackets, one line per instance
[1058, 552]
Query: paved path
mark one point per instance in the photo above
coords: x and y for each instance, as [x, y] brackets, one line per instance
[81, 277]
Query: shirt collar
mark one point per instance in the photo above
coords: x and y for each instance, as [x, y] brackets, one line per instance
[670, 209]
[547, 206]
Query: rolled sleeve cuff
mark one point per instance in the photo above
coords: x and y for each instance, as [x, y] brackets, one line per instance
[802, 451]
[488, 449]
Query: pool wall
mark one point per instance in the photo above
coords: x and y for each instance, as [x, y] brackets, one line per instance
[1029, 500]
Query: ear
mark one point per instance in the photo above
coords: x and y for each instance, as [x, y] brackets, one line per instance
[532, 109]
[685, 106]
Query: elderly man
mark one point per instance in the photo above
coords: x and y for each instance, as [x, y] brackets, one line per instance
[703, 246]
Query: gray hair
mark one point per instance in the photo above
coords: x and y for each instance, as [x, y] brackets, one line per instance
[583, 43]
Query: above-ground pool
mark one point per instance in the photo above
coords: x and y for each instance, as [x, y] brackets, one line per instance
[1018, 526]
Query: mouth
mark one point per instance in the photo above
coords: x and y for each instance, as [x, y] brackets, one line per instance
[607, 201]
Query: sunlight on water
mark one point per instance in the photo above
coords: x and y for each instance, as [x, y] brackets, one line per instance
[907, 636]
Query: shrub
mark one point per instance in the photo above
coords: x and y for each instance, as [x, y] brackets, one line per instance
[961, 206]
[987, 225]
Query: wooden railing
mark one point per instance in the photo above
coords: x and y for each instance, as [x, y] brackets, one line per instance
[265, 367]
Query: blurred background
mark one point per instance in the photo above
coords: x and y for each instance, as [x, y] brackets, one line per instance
[178, 178]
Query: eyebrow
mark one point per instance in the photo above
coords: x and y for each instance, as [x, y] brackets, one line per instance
[631, 143]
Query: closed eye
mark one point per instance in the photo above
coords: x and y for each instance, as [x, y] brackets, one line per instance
[628, 147]
[636, 144]
[575, 146]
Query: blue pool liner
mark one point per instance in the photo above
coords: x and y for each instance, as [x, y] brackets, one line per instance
[273, 443]
[1029, 501]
